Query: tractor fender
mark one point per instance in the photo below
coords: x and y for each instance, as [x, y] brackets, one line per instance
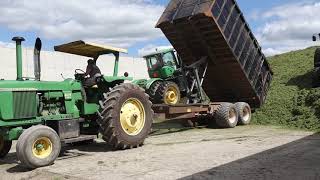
[111, 79]
[151, 81]
[140, 82]
[146, 83]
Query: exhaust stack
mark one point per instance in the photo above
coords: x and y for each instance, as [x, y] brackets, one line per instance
[18, 41]
[36, 59]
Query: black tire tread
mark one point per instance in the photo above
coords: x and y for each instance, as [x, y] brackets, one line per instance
[239, 107]
[153, 90]
[221, 116]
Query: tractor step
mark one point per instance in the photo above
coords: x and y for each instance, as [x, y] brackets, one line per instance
[79, 139]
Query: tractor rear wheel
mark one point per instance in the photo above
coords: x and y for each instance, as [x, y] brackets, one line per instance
[5, 147]
[126, 116]
[244, 113]
[38, 146]
[226, 116]
[168, 93]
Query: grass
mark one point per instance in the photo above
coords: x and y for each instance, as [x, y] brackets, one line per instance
[292, 102]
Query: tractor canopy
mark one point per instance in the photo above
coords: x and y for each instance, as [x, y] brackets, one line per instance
[92, 50]
[88, 49]
[162, 51]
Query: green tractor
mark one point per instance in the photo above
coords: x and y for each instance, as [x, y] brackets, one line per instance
[44, 115]
[171, 82]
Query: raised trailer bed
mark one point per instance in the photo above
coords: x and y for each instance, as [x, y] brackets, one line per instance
[216, 29]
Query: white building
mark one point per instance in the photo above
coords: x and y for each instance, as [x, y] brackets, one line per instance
[56, 65]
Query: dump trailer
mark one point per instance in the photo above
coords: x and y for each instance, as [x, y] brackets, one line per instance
[237, 70]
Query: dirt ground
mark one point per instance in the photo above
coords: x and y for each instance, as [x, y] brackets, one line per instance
[172, 152]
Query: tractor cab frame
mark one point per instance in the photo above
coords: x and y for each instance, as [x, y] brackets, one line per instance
[162, 64]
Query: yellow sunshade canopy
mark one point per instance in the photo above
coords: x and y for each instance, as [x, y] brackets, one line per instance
[87, 49]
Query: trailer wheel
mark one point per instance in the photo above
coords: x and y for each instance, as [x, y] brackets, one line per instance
[38, 146]
[168, 93]
[226, 116]
[5, 147]
[244, 113]
[126, 116]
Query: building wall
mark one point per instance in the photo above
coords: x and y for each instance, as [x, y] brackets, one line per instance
[56, 65]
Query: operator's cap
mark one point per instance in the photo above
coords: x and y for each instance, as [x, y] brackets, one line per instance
[90, 61]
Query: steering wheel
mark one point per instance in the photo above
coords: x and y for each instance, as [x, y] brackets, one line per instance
[79, 71]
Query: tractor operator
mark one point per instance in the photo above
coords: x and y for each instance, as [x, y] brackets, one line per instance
[92, 72]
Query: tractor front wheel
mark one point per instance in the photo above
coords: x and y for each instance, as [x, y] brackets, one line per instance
[38, 146]
[5, 147]
[126, 116]
[168, 93]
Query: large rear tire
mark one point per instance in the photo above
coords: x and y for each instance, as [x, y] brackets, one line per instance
[126, 116]
[244, 113]
[226, 116]
[38, 146]
[5, 147]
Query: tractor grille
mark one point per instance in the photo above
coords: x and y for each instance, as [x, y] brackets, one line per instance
[24, 105]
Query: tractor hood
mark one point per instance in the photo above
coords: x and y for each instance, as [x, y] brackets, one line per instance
[66, 85]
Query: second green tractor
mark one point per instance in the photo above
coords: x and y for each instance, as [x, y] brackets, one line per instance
[170, 81]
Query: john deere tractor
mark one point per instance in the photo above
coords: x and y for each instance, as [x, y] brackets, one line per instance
[42, 115]
[171, 82]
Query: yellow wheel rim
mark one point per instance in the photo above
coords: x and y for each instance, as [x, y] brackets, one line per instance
[132, 116]
[42, 148]
[171, 96]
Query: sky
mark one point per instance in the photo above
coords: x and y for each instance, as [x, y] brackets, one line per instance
[279, 25]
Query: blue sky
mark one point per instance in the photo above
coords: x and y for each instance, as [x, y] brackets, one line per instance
[131, 24]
